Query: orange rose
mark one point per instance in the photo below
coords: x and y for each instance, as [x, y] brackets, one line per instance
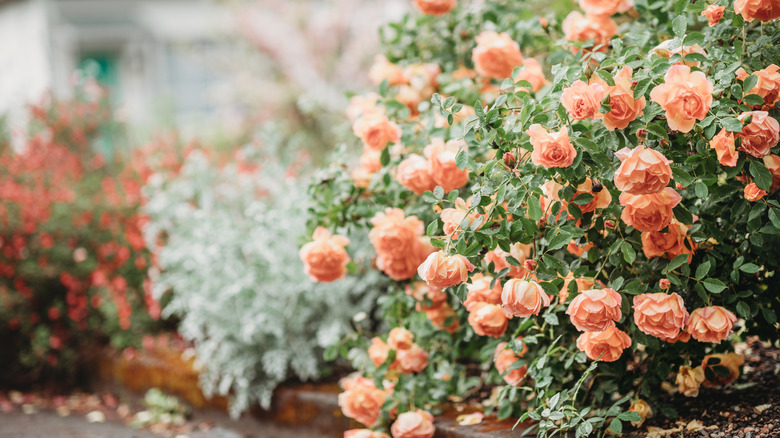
[643, 409]
[772, 162]
[441, 161]
[378, 351]
[762, 10]
[376, 130]
[624, 108]
[664, 50]
[608, 344]
[481, 292]
[435, 7]
[719, 362]
[488, 319]
[498, 256]
[370, 160]
[533, 73]
[523, 298]
[660, 315]
[414, 424]
[361, 400]
[688, 380]
[582, 101]
[577, 250]
[496, 55]
[582, 284]
[768, 85]
[399, 268]
[642, 171]
[599, 28]
[394, 234]
[551, 149]
[440, 315]
[400, 339]
[382, 70]
[670, 244]
[414, 174]
[753, 193]
[453, 217]
[760, 135]
[359, 104]
[595, 310]
[421, 292]
[649, 212]
[723, 143]
[442, 270]
[711, 324]
[505, 358]
[411, 360]
[686, 96]
[364, 433]
[601, 7]
[324, 258]
[713, 14]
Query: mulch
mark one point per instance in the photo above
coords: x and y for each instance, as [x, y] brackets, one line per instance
[747, 409]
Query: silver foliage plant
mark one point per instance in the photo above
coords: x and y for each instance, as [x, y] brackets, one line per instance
[230, 261]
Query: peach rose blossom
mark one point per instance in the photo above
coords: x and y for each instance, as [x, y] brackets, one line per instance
[440, 315]
[498, 258]
[664, 284]
[479, 291]
[664, 50]
[442, 270]
[414, 424]
[400, 338]
[364, 433]
[361, 400]
[688, 380]
[725, 149]
[370, 160]
[582, 284]
[601, 198]
[453, 217]
[624, 108]
[710, 324]
[523, 298]
[359, 104]
[670, 244]
[488, 319]
[760, 135]
[376, 130]
[551, 149]
[649, 212]
[394, 234]
[325, 259]
[768, 85]
[378, 351]
[577, 250]
[609, 344]
[713, 14]
[411, 360]
[581, 28]
[601, 7]
[661, 315]
[415, 174]
[595, 310]
[642, 171]
[643, 409]
[421, 292]
[533, 73]
[496, 55]
[382, 70]
[441, 161]
[504, 358]
[686, 96]
[730, 361]
[772, 162]
[761, 10]
[582, 101]
[435, 7]
[399, 268]
[753, 193]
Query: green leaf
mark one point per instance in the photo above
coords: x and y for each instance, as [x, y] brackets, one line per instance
[559, 241]
[629, 416]
[681, 176]
[680, 25]
[701, 190]
[761, 175]
[603, 74]
[753, 99]
[714, 285]
[462, 159]
[773, 217]
[732, 124]
[438, 193]
[743, 309]
[384, 158]
[702, 270]
[769, 315]
[749, 83]
[534, 208]
[616, 426]
[693, 38]
[641, 87]
[676, 263]
[629, 254]
[433, 227]
[659, 131]
[749, 268]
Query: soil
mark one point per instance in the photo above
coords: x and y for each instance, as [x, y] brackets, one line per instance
[747, 409]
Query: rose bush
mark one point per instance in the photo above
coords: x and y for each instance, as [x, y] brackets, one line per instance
[621, 194]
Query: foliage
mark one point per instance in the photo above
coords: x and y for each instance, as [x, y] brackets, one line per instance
[729, 253]
[73, 260]
[228, 255]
